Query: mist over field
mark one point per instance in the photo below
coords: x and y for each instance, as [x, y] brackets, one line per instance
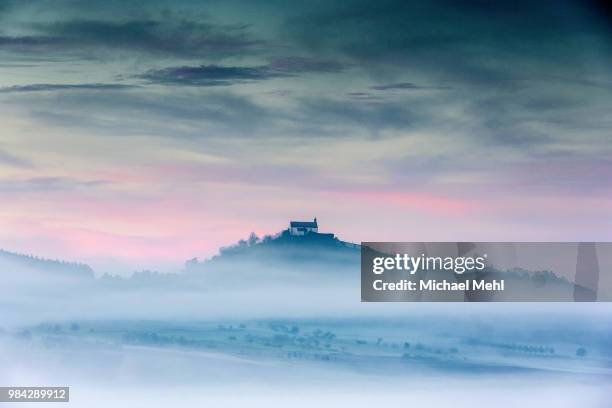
[282, 327]
[273, 278]
[303, 362]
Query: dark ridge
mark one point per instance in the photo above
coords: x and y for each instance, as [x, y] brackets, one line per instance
[59, 266]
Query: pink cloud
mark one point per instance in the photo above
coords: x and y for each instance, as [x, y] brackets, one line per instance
[425, 202]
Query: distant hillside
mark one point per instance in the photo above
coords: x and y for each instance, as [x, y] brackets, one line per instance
[36, 264]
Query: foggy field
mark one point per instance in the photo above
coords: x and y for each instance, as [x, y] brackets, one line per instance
[306, 362]
[290, 334]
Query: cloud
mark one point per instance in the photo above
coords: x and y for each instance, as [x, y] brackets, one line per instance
[177, 115]
[28, 41]
[476, 43]
[14, 161]
[170, 35]
[363, 96]
[304, 65]
[209, 75]
[63, 87]
[344, 118]
[41, 184]
[504, 84]
[219, 114]
[214, 75]
[406, 86]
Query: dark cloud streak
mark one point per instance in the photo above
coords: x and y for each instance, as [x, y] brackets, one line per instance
[208, 75]
[407, 86]
[64, 87]
[215, 75]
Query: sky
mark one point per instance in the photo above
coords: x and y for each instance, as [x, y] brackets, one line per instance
[140, 134]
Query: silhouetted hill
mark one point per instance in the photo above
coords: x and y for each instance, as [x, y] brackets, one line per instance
[284, 249]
